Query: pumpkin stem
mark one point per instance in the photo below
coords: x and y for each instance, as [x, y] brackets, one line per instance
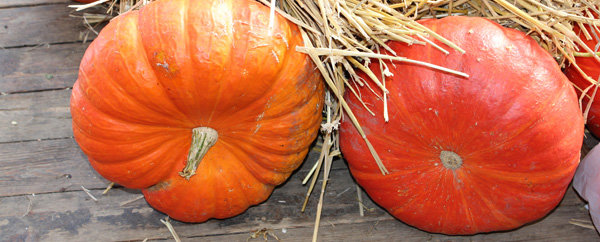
[202, 139]
[451, 160]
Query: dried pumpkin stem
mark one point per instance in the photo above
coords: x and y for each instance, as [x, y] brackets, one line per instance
[202, 139]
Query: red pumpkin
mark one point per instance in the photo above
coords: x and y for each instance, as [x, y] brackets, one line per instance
[591, 67]
[160, 85]
[467, 155]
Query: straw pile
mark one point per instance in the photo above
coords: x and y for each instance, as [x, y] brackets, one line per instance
[344, 35]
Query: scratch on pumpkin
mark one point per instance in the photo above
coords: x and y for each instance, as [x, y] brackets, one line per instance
[275, 55]
[164, 65]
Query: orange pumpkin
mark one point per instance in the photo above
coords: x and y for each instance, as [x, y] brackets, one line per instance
[468, 155]
[198, 103]
[591, 67]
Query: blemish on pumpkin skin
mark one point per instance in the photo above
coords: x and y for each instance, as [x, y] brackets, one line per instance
[260, 116]
[164, 65]
[275, 55]
[161, 61]
[159, 186]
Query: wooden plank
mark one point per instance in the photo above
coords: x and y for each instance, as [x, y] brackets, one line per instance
[59, 165]
[18, 3]
[43, 24]
[74, 216]
[37, 115]
[45, 166]
[40, 68]
[553, 228]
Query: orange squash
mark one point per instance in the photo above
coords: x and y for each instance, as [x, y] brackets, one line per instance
[591, 67]
[468, 155]
[200, 104]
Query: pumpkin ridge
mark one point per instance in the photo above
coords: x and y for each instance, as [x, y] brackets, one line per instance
[466, 208]
[248, 159]
[142, 179]
[186, 44]
[283, 151]
[299, 106]
[409, 200]
[84, 101]
[115, 120]
[246, 49]
[145, 24]
[240, 177]
[529, 127]
[236, 9]
[106, 142]
[282, 71]
[537, 191]
[493, 210]
[146, 61]
[116, 86]
[232, 146]
[515, 176]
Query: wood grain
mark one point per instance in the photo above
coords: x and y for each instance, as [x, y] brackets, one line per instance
[43, 24]
[36, 115]
[74, 216]
[20, 3]
[44, 167]
[40, 68]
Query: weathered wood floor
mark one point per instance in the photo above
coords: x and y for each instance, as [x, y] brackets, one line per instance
[42, 169]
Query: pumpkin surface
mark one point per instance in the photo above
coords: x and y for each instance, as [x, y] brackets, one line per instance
[591, 67]
[159, 82]
[468, 155]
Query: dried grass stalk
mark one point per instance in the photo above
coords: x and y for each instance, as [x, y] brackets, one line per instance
[167, 222]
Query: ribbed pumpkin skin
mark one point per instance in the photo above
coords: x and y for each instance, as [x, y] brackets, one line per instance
[591, 67]
[153, 75]
[515, 123]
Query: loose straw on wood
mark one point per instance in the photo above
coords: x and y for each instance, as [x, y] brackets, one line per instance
[167, 223]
